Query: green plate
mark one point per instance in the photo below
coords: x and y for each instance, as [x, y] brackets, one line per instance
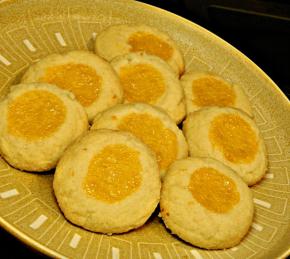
[30, 30]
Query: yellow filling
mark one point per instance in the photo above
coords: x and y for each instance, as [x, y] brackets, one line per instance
[80, 79]
[234, 137]
[209, 91]
[153, 133]
[213, 190]
[141, 83]
[149, 43]
[113, 174]
[35, 114]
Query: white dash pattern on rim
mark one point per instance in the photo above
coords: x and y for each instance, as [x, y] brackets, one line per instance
[94, 35]
[269, 176]
[38, 222]
[75, 241]
[9, 193]
[196, 254]
[157, 255]
[5, 61]
[29, 45]
[257, 227]
[60, 39]
[262, 203]
[115, 253]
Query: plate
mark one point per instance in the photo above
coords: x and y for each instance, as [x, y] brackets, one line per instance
[30, 30]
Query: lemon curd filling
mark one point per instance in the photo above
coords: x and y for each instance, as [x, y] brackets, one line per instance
[80, 79]
[153, 133]
[149, 43]
[209, 91]
[113, 174]
[213, 190]
[35, 114]
[141, 83]
[234, 137]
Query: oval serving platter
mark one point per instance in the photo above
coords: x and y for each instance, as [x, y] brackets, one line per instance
[30, 30]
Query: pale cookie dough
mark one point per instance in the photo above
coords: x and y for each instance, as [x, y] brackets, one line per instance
[149, 79]
[107, 182]
[91, 79]
[118, 40]
[230, 136]
[207, 89]
[153, 126]
[205, 203]
[37, 123]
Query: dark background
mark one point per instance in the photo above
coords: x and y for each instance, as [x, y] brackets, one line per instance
[258, 28]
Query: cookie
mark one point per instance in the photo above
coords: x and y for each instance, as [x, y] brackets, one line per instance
[148, 79]
[37, 123]
[118, 40]
[206, 89]
[230, 136]
[91, 79]
[151, 125]
[206, 203]
[107, 182]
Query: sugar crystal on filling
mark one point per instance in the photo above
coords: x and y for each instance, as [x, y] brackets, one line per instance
[234, 137]
[114, 173]
[35, 114]
[151, 44]
[154, 134]
[209, 91]
[213, 190]
[82, 80]
[141, 83]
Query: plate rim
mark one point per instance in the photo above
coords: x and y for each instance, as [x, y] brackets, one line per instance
[34, 244]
